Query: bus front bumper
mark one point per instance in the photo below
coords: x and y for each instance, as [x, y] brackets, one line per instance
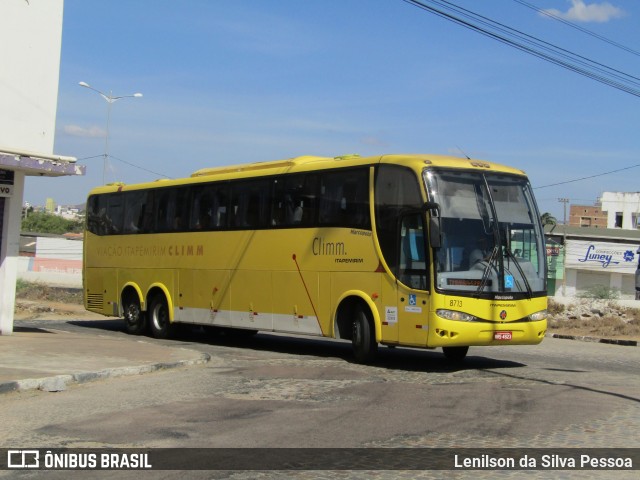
[451, 333]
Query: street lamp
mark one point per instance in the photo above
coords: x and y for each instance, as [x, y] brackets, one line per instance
[110, 100]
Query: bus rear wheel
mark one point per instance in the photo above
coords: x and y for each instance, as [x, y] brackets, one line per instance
[455, 354]
[159, 319]
[135, 321]
[363, 337]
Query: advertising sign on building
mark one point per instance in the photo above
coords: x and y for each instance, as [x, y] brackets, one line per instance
[6, 183]
[602, 256]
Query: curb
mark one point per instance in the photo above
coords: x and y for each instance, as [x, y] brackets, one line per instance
[59, 383]
[582, 338]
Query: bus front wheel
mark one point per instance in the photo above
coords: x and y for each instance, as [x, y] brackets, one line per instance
[160, 322]
[135, 321]
[363, 337]
[455, 354]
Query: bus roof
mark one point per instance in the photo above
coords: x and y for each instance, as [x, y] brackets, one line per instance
[310, 163]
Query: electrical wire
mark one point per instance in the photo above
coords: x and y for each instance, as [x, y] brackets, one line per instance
[139, 167]
[578, 27]
[589, 177]
[541, 49]
[535, 41]
[127, 163]
[531, 45]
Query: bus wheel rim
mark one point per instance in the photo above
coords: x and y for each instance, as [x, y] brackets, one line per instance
[159, 318]
[132, 315]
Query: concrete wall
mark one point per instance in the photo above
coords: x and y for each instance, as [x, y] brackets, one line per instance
[58, 262]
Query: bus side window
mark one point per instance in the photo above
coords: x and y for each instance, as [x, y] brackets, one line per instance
[330, 199]
[305, 202]
[115, 214]
[294, 201]
[220, 204]
[344, 199]
[201, 208]
[396, 189]
[96, 214]
[413, 265]
[181, 206]
[171, 209]
[250, 204]
[161, 210]
[135, 210]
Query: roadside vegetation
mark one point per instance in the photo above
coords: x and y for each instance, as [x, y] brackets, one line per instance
[593, 316]
[43, 222]
[45, 293]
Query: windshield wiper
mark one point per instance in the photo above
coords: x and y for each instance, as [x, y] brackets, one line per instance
[487, 269]
[511, 256]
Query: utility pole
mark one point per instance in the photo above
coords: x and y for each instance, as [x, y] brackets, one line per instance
[564, 247]
[565, 201]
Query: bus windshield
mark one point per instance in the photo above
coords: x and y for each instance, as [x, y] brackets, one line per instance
[491, 237]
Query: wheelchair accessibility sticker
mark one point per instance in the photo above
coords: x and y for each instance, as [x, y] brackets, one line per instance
[508, 281]
[413, 305]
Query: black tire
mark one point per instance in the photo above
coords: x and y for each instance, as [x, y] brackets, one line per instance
[363, 337]
[455, 354]
[159, 319]
[135, 320]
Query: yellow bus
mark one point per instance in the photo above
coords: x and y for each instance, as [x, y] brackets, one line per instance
[400, 250]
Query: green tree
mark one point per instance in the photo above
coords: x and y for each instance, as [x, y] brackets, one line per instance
[548, 219]
[43, 222]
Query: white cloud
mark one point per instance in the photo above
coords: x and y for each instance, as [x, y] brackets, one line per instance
[593, 12]
[77, 131]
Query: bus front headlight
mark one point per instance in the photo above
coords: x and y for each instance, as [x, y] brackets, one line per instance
[536, 317]
[454, 315]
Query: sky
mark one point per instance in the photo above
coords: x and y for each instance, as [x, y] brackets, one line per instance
[235, 81]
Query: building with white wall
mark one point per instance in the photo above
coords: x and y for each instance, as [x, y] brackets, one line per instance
[31, 40]
[622, 209]
[591, 259]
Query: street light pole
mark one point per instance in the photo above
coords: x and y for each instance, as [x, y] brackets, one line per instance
[111, 99]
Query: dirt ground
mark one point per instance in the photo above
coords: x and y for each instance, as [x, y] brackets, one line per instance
[584, 318]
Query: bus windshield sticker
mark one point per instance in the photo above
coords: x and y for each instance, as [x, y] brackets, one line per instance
[508, 281]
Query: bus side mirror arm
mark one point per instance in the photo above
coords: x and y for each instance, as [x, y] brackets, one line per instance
[434, 232]
[433, 208]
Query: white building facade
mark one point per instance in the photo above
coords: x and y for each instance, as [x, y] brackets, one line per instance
[623, 209]
[31, 41]
[593, 261]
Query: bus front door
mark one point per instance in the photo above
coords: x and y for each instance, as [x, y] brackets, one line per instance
[412, 281]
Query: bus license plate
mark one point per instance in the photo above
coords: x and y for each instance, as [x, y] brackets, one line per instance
[502, 335]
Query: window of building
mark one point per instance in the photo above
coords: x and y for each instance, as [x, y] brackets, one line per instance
[618, 223]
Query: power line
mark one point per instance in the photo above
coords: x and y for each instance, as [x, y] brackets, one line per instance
[531, 45]
[139, 167]
[535, 41]
[578, 27]
[127, 163]
[589, 177]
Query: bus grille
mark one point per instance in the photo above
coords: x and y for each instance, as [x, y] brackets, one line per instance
[95, 301]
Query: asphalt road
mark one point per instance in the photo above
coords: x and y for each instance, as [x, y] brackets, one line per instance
[276, 391]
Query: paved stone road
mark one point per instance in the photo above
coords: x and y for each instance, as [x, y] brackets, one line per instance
[273, 391]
